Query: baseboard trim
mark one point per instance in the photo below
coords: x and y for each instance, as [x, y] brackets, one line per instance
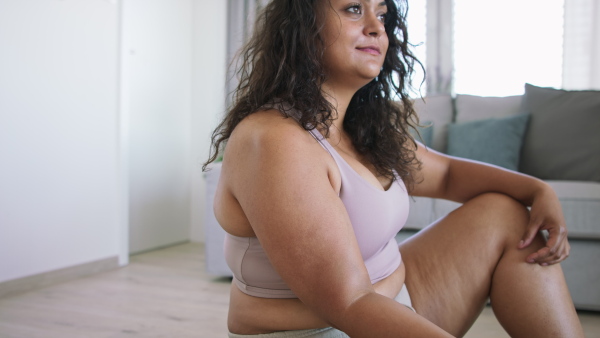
[41, 280]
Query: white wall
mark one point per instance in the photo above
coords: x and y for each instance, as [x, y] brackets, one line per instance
[208, 95]
[157, 79]
[62, 159]
[58, 134]
[174, 65]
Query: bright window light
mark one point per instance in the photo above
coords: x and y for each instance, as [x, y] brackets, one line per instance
[501, 45]
[417, 31]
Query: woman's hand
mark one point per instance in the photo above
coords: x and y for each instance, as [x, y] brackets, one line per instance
[546, 214]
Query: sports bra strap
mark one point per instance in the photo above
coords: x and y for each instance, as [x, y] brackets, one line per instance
[319, 139]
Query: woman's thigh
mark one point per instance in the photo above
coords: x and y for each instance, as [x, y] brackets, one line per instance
[450, 264]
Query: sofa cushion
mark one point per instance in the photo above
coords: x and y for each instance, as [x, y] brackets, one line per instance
[442, 207]
[575, 190]
[581, 206]
[438, 110]
[494, 141]
[420, 214]
[471, 107]
[425, 210]
[562, 140]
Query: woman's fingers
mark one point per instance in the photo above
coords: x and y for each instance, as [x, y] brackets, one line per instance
[556, 250]
[532, 229]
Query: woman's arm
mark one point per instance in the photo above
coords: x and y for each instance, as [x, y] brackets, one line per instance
[459, 180]
[281, 182]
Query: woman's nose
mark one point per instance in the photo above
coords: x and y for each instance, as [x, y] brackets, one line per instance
[373, 26]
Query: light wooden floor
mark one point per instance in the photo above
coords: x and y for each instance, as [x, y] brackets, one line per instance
[163, 293]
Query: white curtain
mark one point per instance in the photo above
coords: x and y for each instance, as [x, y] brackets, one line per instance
[581, 58]
[241, 16]
[440, 56]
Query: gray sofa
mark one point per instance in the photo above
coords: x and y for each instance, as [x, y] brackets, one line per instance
[580, 199]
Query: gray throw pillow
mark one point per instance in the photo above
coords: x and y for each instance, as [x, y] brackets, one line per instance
[494, 141]
[562, 141]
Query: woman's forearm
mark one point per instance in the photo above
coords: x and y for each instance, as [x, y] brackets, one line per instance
[374, 315]
[467, 179]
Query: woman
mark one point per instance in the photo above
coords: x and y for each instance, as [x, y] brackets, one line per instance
[315, 183]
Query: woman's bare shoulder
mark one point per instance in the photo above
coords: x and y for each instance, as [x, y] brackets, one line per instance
[267, 141]
[270, 130]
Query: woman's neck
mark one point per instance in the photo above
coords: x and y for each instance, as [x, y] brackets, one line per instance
[340, 100]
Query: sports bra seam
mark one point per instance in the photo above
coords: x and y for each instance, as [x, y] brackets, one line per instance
[242, 279]
[249, 289]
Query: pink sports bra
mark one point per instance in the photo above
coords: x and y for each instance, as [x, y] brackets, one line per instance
[376, 217]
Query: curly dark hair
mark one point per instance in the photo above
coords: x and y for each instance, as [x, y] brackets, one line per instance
[283, 62]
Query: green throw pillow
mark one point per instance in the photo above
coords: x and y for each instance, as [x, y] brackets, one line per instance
[494, 141]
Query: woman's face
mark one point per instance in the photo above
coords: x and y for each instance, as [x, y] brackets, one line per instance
[355, 39]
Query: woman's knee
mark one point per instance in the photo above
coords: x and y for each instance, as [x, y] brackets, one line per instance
[499, 214]
[499, 205]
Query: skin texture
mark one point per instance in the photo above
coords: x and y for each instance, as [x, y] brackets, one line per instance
[279, 184]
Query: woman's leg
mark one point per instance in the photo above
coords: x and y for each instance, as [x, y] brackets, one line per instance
[455, 264]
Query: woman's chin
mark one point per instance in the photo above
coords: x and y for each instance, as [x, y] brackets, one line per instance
[357, 81]
[370, 76]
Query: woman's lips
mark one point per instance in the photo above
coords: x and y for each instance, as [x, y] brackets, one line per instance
[373, 50]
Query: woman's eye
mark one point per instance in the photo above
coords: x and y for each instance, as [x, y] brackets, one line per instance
[382, 17]
[355, 9]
